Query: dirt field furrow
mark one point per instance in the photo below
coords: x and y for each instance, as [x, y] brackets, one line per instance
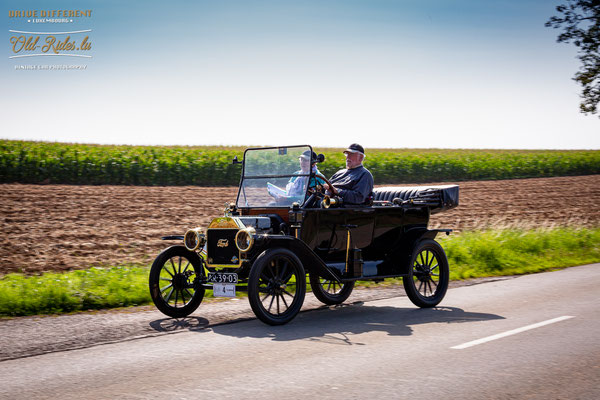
[59, 227]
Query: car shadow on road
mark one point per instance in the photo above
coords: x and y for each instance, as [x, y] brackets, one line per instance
[337, 324]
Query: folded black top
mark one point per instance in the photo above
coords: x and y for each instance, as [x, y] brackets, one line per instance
[437, 198]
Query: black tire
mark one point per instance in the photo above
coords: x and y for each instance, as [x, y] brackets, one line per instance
[180, 294]
[276, 286]
[330, 291]
[428, 274]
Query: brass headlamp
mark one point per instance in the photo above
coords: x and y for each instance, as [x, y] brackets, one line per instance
[194, 239]
[244, 239]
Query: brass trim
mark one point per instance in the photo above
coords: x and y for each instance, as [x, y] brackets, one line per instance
[225, 223]
[221, 223]
[347, 251]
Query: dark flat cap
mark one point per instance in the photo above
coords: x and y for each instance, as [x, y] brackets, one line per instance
[309, 155]
[355, 148]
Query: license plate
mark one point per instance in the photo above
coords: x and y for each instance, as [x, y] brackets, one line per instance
[222, 277]
[223, 290]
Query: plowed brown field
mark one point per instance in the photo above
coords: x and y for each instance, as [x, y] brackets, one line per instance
[59, 227]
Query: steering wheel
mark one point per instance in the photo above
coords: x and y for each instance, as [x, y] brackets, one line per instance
[333, 189]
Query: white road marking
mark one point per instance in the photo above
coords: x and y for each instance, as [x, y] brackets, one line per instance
[512, 332]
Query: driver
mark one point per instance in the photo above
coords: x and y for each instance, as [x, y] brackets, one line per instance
[297, 184]
[355, 183]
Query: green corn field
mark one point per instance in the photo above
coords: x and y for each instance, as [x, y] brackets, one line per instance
[61, 163]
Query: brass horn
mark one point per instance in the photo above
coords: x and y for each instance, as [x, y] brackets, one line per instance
[329, 201]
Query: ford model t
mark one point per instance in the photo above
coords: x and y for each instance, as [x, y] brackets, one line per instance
[284, 226]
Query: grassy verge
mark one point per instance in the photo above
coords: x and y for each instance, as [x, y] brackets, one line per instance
[514, 252]
[94, 288]
[471, 254]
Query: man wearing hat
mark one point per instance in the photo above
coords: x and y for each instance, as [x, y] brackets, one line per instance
[355, 183]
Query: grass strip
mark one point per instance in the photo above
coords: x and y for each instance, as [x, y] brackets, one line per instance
[471, 255]
[56, 292]
[477, 254]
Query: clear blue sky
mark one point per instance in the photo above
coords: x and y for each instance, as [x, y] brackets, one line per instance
[451, 74]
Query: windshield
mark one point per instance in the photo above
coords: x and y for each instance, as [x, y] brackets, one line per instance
[275, 177]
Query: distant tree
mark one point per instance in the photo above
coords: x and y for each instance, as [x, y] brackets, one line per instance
[580, 20]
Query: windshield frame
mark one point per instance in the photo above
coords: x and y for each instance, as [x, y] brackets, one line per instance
[245, 176]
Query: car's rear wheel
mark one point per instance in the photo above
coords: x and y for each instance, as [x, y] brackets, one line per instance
[330, 291]
[174, 285]
[276, 286]
[428, 275]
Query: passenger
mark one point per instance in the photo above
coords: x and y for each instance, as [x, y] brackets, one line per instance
[297, 184]
[355, 183]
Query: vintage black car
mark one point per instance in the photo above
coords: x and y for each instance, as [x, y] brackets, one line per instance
[284, 227]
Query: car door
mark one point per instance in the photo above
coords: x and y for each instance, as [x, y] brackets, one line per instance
[326, 231]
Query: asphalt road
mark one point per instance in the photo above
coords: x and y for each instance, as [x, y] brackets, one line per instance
[541, 340]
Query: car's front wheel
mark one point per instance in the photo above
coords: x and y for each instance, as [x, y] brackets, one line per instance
[276, 286]
[428, 274]
[174, 285]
